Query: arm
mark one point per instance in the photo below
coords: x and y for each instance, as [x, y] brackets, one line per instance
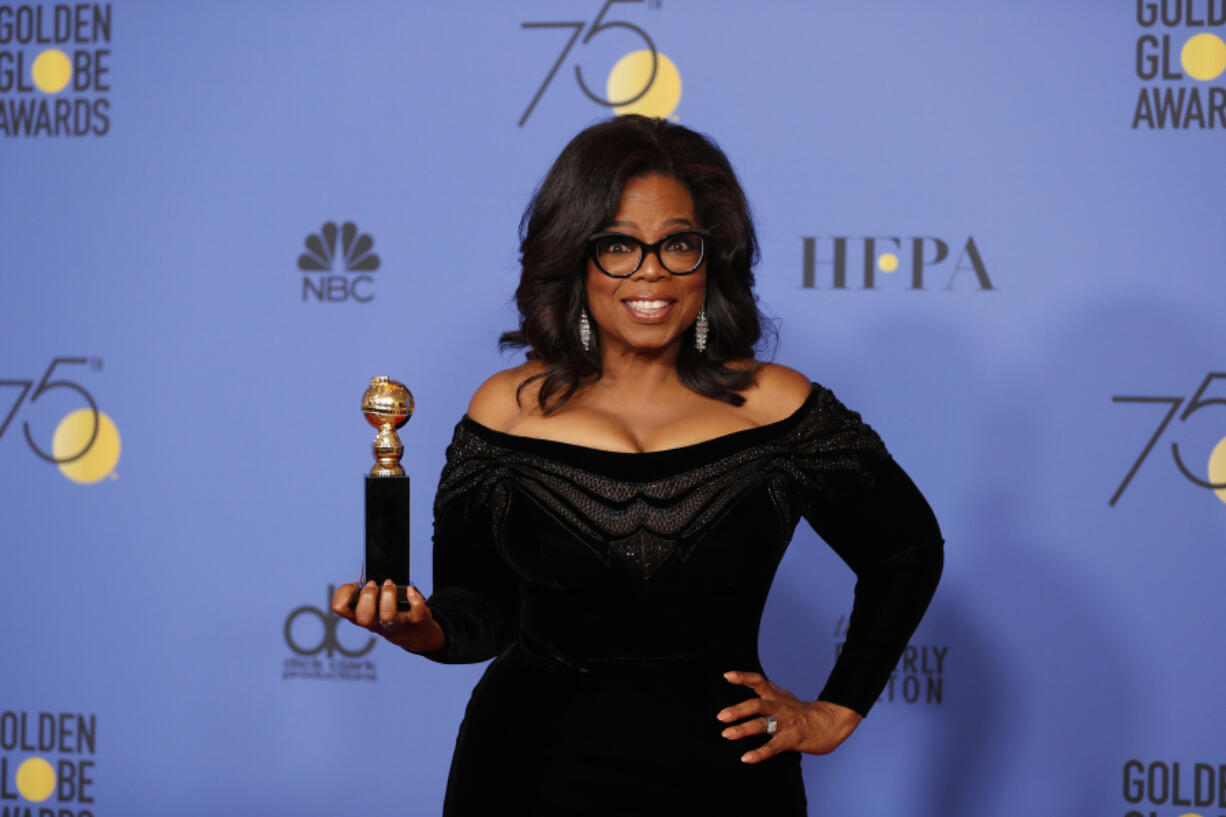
[881, 526]
[475, 599]
[868, 510]
[471, 616]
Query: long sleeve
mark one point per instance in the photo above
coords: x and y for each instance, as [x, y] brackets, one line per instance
[870, 512]
[475, 599]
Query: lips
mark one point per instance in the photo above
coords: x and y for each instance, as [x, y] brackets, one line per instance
[648, 309]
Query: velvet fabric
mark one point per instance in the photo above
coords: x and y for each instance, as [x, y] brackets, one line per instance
[615, 589]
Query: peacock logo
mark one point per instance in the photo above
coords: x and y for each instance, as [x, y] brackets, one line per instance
[326, 257]
[355, 250]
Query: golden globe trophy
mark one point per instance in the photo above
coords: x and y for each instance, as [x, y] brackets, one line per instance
[387, 405]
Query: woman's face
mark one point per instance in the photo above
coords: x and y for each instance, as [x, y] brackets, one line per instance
[648, 310]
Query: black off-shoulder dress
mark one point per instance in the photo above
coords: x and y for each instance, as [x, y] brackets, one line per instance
[615, 590]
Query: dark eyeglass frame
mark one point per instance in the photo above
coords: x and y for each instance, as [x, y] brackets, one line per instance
[646, 249]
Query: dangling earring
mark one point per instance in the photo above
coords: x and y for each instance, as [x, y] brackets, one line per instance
[585, 331]
[700, 330]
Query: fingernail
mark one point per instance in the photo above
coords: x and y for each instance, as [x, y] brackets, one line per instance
[729, 675]
[727, 733]
[722, 716]
[371, 583]
[386, 582]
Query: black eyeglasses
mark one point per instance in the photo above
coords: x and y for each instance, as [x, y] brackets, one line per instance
[619, 255]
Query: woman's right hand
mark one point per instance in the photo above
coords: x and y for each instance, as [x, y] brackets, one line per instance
[414, 629]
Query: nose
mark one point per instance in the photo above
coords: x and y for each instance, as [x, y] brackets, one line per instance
[651, 269]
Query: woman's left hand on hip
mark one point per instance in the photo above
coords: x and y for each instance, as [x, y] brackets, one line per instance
[813, 727]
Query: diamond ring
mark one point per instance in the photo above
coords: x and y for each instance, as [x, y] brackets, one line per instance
[772, 725]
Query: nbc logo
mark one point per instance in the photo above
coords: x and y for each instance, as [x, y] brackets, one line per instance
[323, 258]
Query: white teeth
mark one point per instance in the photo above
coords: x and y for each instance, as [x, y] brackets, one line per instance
[647, 306]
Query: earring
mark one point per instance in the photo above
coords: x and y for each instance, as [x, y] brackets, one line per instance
[701, 328]
[585, 331]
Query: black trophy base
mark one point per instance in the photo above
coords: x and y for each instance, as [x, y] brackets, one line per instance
[387, 535]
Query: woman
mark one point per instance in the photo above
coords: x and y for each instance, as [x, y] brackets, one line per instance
[612, 513]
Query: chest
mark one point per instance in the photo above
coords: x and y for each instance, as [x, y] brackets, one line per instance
[636, 428]
[703, 530]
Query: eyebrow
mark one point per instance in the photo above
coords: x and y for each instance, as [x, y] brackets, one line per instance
[683, 222]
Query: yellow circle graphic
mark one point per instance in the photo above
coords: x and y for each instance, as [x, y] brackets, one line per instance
[35, 779]
[51, 71]
[1217, 467]
[72, 435]
[629, 77]
[1204, 56]
[887, 262]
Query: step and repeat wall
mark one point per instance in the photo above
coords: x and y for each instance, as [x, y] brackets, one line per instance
[994, 228]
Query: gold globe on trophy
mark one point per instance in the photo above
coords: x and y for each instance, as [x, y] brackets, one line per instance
[387, 405]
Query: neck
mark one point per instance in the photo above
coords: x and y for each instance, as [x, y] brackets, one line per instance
[639, 373]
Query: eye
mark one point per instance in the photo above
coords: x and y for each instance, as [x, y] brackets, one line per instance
[615, 245]
[682, 242]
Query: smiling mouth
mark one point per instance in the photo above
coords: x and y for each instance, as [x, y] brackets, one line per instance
[648, 311]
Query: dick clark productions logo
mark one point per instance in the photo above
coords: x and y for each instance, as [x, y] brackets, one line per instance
[310, 631]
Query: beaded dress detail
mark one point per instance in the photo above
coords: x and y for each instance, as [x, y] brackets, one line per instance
[645, 523]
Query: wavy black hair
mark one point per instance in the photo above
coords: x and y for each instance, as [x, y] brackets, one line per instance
[579, 196]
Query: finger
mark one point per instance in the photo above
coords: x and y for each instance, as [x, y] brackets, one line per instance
[387, 603]
[754, 680]
[341, 598]
[755, 726]
[364, 613]
[418, 611]
[744, 709]
[781, 742]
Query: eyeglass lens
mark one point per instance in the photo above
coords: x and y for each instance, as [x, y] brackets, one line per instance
[622, 254]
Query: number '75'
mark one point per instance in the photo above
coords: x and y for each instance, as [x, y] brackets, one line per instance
[1198, 402]
[596, 27]
[45, 385]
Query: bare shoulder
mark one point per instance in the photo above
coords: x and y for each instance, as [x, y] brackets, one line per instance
[777, 393]
[495, 404]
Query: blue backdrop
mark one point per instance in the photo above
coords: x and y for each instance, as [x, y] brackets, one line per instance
[994, 228]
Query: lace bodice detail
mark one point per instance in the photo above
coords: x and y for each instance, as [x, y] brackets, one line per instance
[645, 516]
